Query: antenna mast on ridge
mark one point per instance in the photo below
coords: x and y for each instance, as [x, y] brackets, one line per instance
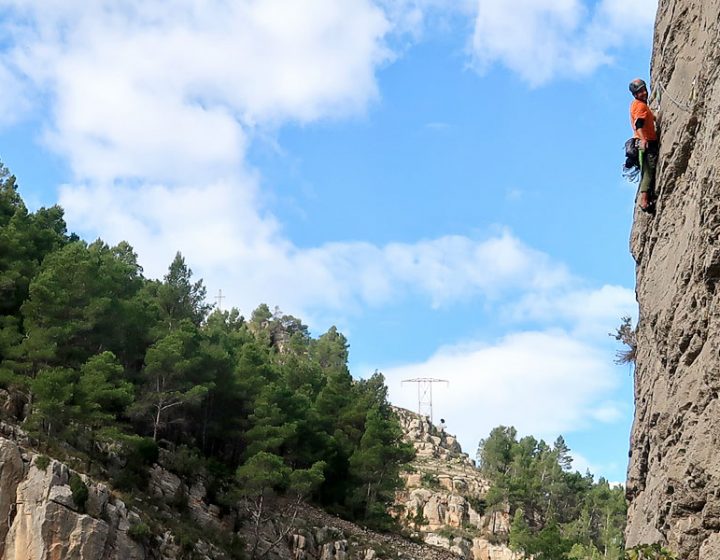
[425, 394]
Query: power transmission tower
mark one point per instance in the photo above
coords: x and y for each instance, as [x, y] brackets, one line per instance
[425, 407]
[219, 299]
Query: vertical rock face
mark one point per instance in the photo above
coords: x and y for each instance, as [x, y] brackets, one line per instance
[40, 520]
[674, 472]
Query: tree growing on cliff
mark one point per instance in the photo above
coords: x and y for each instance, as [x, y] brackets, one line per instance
[376, 464]
[168, 383]
[627, 335]
[649, 552]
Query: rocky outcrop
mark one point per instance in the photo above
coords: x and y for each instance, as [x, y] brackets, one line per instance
[321, 536]
[169, 488]
[42, 518]
[41, 521]
[443, 498]
[673, 482]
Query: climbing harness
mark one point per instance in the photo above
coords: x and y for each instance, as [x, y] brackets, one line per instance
[631, 167]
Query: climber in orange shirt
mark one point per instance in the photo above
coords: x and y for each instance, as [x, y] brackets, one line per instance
[642, 121]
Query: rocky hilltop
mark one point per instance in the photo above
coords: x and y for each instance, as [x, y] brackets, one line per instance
[443, 499]
[673, 482]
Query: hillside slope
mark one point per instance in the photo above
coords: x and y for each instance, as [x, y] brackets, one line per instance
[45, 518]
[443, 499]
[674, 473]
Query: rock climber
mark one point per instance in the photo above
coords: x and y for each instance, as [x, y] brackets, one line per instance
[642, 121]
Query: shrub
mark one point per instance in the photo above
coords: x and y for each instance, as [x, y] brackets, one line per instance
[478, 504]
[42, 462]
[419, 517]
[79, 491]
[179, 501]
[430, 480]
[139, 532]
[185, 461]
[137, 453]
[186, 542]
[649, 552]
[448, 533]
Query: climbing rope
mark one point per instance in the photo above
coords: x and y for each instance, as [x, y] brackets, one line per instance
[687, 108]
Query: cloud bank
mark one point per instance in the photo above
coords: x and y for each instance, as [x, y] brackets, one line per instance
[544, 383]
[222, 232]
[171, 91]
[544, 39]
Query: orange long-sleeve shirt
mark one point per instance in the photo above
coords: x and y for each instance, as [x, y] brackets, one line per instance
[641, 110]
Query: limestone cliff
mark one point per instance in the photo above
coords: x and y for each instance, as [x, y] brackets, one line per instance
[41, 519]
[444, 493]
[674, 472]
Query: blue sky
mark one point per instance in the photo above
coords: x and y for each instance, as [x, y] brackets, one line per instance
[441, 180]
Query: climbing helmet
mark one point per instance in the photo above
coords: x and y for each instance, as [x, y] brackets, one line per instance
[637, 85]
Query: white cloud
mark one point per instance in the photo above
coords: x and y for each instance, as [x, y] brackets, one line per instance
[153, 107]
[167, 91]
[543, 39]
[410, 17]
[13, 102]
[628, 18]
[222, 231]
[608, 412]
[170, 92]
[589, 311]
[514, 194]
[543, 382]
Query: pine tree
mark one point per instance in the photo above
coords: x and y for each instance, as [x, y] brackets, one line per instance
[179, 297]
[168, 386]
[101, 393]
[377, 459]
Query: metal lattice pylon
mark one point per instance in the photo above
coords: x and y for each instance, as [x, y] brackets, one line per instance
[425, 407]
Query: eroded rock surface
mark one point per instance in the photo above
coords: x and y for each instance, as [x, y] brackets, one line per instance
[674, 472]
[443, 496]
[40, 520]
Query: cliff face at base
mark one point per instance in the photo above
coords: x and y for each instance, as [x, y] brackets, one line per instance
[40, 520]
[674, 472]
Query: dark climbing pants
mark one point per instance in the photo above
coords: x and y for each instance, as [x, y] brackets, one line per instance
[648, 164]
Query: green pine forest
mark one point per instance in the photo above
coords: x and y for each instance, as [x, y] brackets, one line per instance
[556, 512]
[101, 363]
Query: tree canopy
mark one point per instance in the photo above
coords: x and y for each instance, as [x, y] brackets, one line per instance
[99, 353]
[556, 512]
